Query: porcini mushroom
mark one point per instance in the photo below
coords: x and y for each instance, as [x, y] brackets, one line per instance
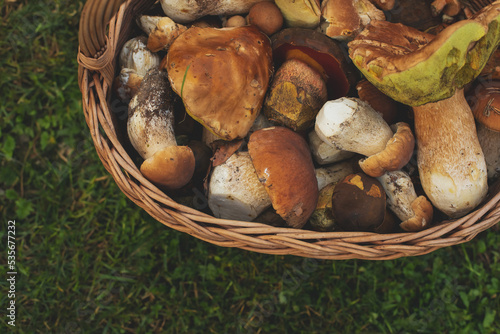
[353, 125]
[234, 190]
[415, 212]
[334, 173]
[344, 19]
[266, 16]
[150, 130]
[484, 100]
[222, 76]
[394, 57]
[319, 52]
[490, 144]
[324, 153]
[284, 165]
[359, 203]
[300, 13]
[184, 11]
[161, 30]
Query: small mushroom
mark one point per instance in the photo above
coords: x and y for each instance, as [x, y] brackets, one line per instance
[235, 21]
[352, 125]
[484, 100]
[324, 153]
[451, 164]
[266, 16]
[184, 11]
[448, 7]
[235, 191]
[151, 132]
[161, 30]
[322, 218]
[415, 212]
[334, 173]
[127, 84]
[295, 96]
[321, 53]
[284, 165]
[300, 13]
[222, 76]
[359, 203]
[345, 19]
[490, 144]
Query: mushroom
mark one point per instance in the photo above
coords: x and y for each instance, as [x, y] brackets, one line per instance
[300, 13]
[415, 212]
[295, 96]
[135, 60]
[321, 53]
[184, 11]
[448, 7]
[344, 19]
[359, 203]
[490, 144]
[284, 165]
[333, 173]
[222, 76]
[324, 153]
[350, 124]
[150, 130]
[266, 16]
[378, 101]
[234, 190]
[322, 218]
[235, 21]
[162, 31]
[484, 100]
[393, 57]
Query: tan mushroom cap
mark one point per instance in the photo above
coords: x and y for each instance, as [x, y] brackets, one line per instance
[423, 215]
[172, 167]
[284, 165]
[222, 76]
[396, 154]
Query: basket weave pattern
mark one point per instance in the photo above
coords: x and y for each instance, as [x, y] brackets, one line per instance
[97, 61]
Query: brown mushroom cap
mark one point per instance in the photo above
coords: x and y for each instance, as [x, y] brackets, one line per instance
[359, 203]
[484, 100]
[266, 16]
[222, 76]
[396, 154]
[171, 167]
[284, 165]
[423, 215]
[318, 51]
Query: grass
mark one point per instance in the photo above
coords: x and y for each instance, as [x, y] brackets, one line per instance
[90, 261]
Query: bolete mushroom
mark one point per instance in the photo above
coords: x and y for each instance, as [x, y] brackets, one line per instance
[266, 16]
[151, 132]
[351, 124]
[161, 30]
[394, 57]
[324, 153]
[415, 212]
[184, 11]
[344, 19]
[490, 144]
[359, 203]
[284, 165]
[300, 13]
[222, 76]
[484, 100]
[234, 190]
[321, 53]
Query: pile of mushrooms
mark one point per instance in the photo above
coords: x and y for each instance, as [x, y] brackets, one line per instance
[328, 115]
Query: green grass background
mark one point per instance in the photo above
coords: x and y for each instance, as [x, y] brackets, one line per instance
[90, 261]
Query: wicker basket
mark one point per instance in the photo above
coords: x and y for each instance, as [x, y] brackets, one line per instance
[104, 27]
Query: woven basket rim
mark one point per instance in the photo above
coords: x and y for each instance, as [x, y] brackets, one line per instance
[95, 80]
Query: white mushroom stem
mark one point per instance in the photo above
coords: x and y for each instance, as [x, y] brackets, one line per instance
[323, 153]
[184, 11]
[414, 212]
[490, 144]
[235, 191]
[450, 159]
[351, 124]
[333, 173]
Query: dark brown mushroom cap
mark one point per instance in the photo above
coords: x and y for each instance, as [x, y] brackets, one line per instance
[284, 165]
[359, 203]
[318, 51]
[222, 76]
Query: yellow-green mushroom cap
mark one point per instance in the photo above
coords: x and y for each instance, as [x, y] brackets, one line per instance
[416, 68]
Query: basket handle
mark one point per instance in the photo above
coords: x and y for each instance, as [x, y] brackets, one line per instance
[97, 46]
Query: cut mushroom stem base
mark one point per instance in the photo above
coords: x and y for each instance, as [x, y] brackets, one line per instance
[450, 160]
